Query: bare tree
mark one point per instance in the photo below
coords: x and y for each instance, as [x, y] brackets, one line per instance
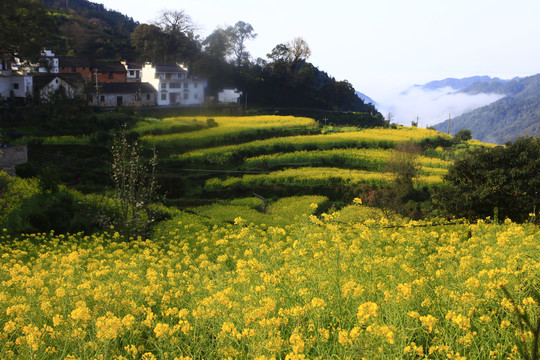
[175, 26]
[298, 49]
[175, 21]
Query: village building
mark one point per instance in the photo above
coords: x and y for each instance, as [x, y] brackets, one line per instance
[47, 86]
[75, 64]
[48, 63]
[107, 72]
[130, 94]
[229, 96]
[15, 84]
[173, 85]
[133, 71]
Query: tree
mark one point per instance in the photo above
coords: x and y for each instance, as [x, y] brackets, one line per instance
[147, 41]
[298, 50]
[503, 180]
[218, 44]
[462, 135]
[400, 196]
[169, 39]
[134, 186]
[26, 26]
[240, 33]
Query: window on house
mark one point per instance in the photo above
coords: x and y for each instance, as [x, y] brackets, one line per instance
[175, 85]
[186, 96]
[73, 69]
[147, 96]
[167, 76]
[131, 73]
[111, 75]
[102, 98]
[15, 86]
[56, 81]
[163, 96]
[195, 96]
[163, 85]
[195, 85]
[186, 85]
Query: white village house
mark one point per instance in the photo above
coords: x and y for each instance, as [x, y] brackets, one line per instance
[15, 84]
[230, 96]
[173, 85]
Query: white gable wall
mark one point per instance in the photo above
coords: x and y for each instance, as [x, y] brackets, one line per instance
[174, 88]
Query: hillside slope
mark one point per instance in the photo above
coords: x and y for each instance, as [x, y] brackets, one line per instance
[515, 115]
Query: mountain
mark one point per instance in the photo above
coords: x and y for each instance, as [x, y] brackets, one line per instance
[453, 83]
[366, 99]
[517, 114]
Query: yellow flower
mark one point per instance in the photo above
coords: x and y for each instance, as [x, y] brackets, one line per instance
[162, 329]
[81, 312]
[367, 310]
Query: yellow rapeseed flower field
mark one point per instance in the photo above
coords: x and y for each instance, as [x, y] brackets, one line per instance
[316, 288]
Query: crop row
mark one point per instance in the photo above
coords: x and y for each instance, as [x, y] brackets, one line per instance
[312, 176]
[366, 138]
[366, 159]
[223, 130]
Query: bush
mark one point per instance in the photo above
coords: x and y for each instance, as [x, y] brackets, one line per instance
[502, 180]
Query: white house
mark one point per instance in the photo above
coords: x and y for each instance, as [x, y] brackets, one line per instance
[15, 84]
[133, 71]
[229, 96]
[48, 62]
[173, 85]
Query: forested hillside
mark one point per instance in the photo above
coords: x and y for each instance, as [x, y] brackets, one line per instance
[515, 115]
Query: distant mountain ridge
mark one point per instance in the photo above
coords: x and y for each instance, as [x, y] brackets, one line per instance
[457, 84]
[517, 114]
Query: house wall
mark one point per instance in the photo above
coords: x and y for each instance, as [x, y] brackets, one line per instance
[174, 88]
[111, 77]
[15, 84]
[54, 86]
[229, 96]
[83, 70]
[128, 100]
[135, 77]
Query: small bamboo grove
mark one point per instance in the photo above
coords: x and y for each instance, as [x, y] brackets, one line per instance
[261, 277]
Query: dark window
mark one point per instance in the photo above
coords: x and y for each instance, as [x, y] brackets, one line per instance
[102, 98]
[186, 96]
[73, 69]
[163, 96]
[15, 86]
[111, 75]
[147, 96]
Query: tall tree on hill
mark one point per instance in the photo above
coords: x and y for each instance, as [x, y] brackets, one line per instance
[298, 50]
[240, 33]
[26, 26]
[168, 40]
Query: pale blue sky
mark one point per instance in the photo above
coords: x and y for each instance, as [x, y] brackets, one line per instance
[379, 45]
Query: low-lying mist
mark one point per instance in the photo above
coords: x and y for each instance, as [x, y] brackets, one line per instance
[429, 106]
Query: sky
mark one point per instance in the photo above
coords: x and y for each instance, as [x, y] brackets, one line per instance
[380, 46]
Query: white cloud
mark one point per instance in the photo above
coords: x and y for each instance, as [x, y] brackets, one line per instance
[431, 107]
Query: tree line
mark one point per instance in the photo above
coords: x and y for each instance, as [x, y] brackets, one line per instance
[284, 78]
